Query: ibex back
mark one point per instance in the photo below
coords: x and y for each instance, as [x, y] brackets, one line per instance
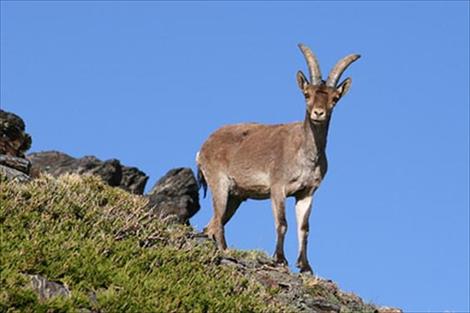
[255, 161]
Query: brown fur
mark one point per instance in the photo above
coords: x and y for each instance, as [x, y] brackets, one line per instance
[255, 161]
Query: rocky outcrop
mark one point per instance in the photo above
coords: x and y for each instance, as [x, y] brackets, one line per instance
[133, 180]
[111, 171]
[57, 163]
[12, 174]
[301, 293]
[20, 164]
[14, 142]
[175, 195]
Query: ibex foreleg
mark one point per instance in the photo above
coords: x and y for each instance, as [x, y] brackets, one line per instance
[303, 207]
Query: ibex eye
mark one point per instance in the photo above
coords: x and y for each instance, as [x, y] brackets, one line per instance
[307, 95]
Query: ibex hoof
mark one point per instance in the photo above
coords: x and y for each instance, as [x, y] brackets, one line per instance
[280, 260]
[305, 269]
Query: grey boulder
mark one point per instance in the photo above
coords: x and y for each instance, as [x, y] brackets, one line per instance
[175, 196]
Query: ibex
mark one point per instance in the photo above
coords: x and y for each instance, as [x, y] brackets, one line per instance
[255, 161]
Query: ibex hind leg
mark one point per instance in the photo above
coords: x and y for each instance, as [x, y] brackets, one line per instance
[215, 228]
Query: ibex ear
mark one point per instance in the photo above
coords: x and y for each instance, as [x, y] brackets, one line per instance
[344, 87]
[302, 80]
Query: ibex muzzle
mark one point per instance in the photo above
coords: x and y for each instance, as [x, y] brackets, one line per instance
[255, 161]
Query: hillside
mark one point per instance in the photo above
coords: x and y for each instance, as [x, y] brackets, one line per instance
[75, 244]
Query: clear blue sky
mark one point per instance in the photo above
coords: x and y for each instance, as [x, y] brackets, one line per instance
[147, 82]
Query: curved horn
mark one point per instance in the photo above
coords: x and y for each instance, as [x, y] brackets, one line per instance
[312, 62]
[339, 68]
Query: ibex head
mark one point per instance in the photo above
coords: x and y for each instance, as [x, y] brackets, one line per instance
[321, 96]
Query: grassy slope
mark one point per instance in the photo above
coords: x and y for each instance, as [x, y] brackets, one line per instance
[115, 257]
[98, 240]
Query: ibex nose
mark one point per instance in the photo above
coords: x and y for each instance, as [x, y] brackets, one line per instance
[318, 113]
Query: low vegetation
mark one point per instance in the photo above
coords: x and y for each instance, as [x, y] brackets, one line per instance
[111, 254]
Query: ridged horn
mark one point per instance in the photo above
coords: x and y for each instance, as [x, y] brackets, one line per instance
[312, 63]
[339, 68]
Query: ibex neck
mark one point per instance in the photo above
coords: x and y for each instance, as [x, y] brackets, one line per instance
[315, 136]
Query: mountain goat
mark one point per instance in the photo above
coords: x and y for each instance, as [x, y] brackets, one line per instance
[255, 161]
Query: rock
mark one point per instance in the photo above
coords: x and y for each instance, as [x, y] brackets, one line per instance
[58, 163]
[324, 306]
[133, 180]
[111, 171]
[17, 163]
[12, 174]
[52, 162]
[175, 195]
[14, 141]
[47, 289]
